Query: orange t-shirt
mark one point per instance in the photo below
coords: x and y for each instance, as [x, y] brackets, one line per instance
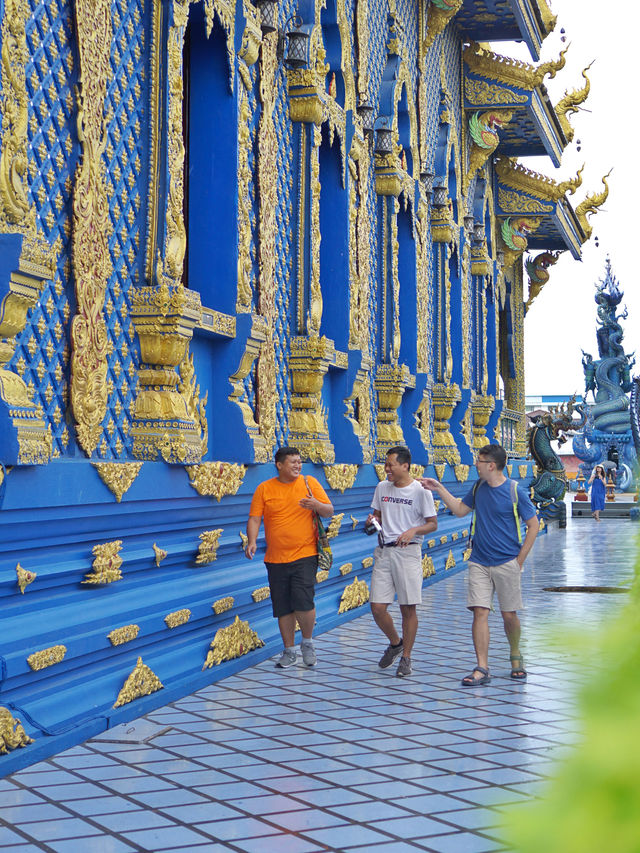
[288, 527]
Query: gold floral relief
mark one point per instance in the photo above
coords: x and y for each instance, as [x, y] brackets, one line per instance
[216, 479]
[450, 561]
[261, 594]
[334, 526]
[223, 604]
[126, 634]
[367, 562]
[178, 617]
[428, 569]
[322, 576]
[91, 226]
[354, 595]
[340, 477]
[47, 657]
[12, 733]
[106, 565]
[118, 476]
[141, 682]
[208, 548]
[24, 577]
[232, 642]
[346, 568]
[160, 554]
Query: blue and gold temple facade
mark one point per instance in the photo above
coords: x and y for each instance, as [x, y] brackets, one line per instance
[226, 227]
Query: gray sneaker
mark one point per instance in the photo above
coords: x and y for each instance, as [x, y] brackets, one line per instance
[308, 654]
[287, 659]
[404, 667]
[390, 654]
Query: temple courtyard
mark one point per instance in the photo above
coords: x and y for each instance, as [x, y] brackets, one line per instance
[344, 756]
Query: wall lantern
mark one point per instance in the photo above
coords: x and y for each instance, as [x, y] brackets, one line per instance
[384, 139]
[298, 44]
[366, 113]
[268, 15]
[468, 225]
[427, 182]
[478, 233]
[500, 257]
[440, 197]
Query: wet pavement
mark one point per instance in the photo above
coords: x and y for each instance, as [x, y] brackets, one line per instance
[343, 756]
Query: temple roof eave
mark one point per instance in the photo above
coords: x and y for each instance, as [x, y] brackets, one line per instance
[529, 20]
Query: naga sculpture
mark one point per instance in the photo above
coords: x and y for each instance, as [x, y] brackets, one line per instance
[607, 433]
[550, 482]
[538, 276]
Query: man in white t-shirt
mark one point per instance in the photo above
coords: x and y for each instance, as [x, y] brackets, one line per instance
[405, 512]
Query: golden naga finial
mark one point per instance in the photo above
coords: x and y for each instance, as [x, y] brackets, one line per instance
[572, 184]
[548, 18]
[571, 102]
[551, 68]
[590, 205]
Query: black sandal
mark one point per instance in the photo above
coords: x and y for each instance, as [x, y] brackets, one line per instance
[470, 681]
[518, 673]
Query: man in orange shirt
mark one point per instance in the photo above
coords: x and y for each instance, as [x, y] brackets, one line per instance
[292, 553]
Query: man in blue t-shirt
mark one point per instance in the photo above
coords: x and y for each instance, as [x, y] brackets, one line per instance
[497, 554]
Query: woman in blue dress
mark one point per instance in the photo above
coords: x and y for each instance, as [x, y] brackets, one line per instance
[597, 483]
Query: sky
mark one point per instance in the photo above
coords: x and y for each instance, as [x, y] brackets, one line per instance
[562, 320]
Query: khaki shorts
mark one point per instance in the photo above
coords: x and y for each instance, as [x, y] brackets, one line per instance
[397, 571]
[504, 579]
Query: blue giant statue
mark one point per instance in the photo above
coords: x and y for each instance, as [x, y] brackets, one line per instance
[607, 436]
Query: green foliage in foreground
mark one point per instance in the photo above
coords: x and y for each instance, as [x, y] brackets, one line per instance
[593, 804]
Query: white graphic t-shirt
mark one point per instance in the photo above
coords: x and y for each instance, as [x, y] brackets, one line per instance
[402, 508]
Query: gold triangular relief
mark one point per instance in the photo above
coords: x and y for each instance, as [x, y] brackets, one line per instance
[141, 682]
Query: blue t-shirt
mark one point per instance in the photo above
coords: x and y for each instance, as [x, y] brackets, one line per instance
[495, 540]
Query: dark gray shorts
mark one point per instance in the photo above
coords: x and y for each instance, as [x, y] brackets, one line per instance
[292, 585]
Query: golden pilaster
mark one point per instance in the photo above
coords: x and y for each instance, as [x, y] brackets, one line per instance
[308, 431]
[481, 408]
[164, 424]
[445, 398]
[391, 383]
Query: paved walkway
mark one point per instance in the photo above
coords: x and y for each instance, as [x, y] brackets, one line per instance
[344, 756]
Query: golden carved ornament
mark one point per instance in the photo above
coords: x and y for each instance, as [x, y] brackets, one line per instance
[484, 130]
[428, 569]
[462, 473]
[454, 536]
[440, 469]
[431, 543]
[91, 226]
[483, 93]
[436, 503]
[160, 553]
[450, 561]
[176, 235]
[267, 185]
[523, 470]
[141, 682]
[511, 201]
[195, 404]
[416, 471]
[216, 478]
[118, 476]
[12, 733]
[363, 41]
[512, 72]
[232, 642]
[47, 657]
[381, 473]
[340, 477]
[24, 577]
[354, 522]
[244, 540]
[225, 11]
[355, 595]
[178, 617]
[251, 40]
[439, 14]
[245, 264]
[106, 565]
[443, 538]
[14, 105]
[208, 548]
[223, 604]
[261, 594]
[334, 525]
[444, 400]
[123, 635]
[322, 576]
[390, 384]
[570, 104]
[466, 555]
[367, 562]
[518, 177]
[346, 568]
[590, 205]
[481, 409]
[509, 469]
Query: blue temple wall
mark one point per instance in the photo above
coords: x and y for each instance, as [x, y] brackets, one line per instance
[54, 514]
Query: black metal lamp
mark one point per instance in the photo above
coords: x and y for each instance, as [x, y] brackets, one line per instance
[384, 138]
[468, 225]
[268, 15]
[440, 197]
[366, 113]
[478, 233]
[427, 181]
[297, 53]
